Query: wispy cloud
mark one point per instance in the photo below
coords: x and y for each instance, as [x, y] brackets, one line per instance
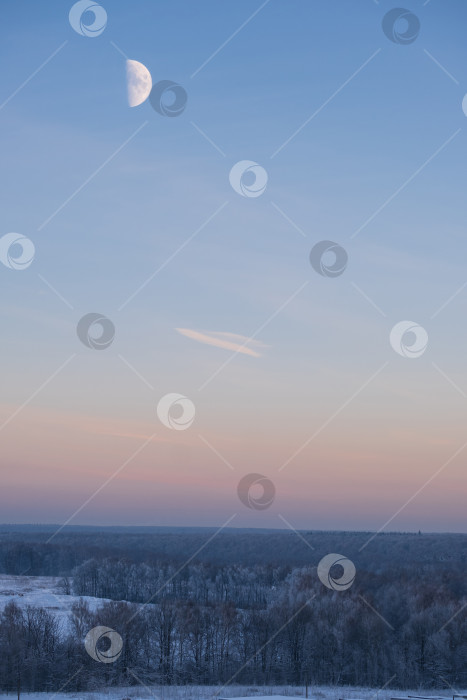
[228, 341]
[44, 420]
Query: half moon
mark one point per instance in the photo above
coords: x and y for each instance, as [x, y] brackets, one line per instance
[138, 82]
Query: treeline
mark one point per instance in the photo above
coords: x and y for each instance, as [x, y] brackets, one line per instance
[260, 625]
[30, 552]
[241, 586]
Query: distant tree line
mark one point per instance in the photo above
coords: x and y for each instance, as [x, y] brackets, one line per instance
[260, 624]
[30, 552]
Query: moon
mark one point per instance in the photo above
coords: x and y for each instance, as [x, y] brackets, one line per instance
[138, 82]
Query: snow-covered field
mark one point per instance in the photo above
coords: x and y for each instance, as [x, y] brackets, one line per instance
[41, 591]
[211, 692]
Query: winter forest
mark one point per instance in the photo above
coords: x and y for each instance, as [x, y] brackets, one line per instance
[249, 608]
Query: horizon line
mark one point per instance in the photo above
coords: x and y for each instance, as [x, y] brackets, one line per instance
[232, 528]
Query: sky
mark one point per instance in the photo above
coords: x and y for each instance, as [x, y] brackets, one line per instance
[285, 370]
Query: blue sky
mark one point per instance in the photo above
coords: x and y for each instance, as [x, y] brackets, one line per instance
[377, 132]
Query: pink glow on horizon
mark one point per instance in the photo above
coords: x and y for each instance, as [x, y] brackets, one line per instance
[176, 479]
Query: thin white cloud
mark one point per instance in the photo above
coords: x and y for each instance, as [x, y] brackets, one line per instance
[228, 341]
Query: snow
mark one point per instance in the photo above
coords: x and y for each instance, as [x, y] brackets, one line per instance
[41, 591]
